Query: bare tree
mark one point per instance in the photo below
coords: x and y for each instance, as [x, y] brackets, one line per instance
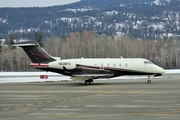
[90, 45]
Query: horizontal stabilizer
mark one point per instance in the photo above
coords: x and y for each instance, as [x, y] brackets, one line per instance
[24, 45]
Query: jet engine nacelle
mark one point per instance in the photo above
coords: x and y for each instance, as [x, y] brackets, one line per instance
[61, 64]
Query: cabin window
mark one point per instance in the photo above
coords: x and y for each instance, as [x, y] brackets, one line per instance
[95, 64]
[120, 65]
[108, 64]
[126, 65]
[101, 65]
[114, 65]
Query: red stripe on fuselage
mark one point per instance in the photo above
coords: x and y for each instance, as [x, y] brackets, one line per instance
[39, 65]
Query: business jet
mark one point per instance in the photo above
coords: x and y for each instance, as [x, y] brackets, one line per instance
[89, 69]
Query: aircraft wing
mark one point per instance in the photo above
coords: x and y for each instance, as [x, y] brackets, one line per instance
[81, 78]
[85, 77]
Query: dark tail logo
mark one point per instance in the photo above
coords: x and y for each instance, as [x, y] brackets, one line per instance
[35, 52]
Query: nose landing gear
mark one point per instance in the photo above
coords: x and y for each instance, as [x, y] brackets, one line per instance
[149, 81]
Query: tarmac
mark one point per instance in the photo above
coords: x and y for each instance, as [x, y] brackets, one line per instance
[131, 99]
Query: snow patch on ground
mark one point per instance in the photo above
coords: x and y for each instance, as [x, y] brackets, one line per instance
[173, 71]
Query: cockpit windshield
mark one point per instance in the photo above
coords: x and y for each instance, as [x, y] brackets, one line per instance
[148, 62]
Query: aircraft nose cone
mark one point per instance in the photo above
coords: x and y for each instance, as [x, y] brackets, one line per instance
[159, 71]
[162, 70]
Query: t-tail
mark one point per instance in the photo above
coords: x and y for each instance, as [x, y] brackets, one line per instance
[35, 52]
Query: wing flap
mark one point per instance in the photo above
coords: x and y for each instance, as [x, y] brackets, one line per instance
[81, 78]
[93, 75]
[85, 77]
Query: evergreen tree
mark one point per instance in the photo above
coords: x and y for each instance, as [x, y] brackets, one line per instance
[0, 46]
[38, 38]
[12, 38]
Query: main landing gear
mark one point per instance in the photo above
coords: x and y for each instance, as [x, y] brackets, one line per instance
[149, 81]
[88, 82]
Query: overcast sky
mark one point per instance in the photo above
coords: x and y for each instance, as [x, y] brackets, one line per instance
[34, 3]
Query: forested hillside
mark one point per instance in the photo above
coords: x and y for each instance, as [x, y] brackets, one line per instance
[95, 29]
[145, 19]
[165, 53]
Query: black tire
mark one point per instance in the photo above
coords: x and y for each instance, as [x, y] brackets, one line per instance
[87, 82]
[149, 81]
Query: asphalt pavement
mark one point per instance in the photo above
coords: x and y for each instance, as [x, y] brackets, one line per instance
[131, 99]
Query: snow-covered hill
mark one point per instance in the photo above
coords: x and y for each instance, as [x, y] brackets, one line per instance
[147, 19]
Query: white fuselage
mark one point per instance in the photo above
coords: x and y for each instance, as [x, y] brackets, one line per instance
[129, 64]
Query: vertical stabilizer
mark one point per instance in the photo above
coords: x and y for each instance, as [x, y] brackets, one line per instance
[35, 52]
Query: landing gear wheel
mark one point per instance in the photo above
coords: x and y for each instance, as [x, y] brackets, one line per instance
[149, 81]
[87, 82]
